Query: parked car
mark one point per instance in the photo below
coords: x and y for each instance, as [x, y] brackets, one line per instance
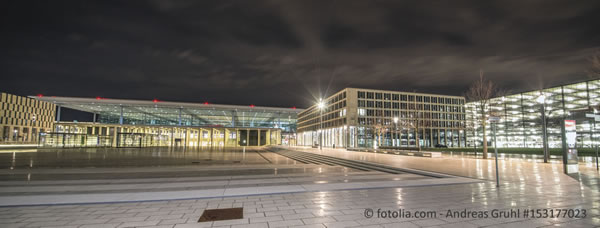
[440, 146]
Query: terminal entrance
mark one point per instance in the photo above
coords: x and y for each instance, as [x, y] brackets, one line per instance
[254, 138]
[107, 135]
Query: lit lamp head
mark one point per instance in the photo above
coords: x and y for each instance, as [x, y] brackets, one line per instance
[395, 119]
[321, 105]
[541, 99]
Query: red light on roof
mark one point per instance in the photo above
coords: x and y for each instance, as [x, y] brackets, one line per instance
[98, 98]
[251, 106]
[294, 107]
[206, 103]
[155, 100]
[40, 95]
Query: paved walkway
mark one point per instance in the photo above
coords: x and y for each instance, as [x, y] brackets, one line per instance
[525, 185]
[45, 186]
[513, 171]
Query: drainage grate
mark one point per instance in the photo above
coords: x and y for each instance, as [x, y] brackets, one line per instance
[222, 214]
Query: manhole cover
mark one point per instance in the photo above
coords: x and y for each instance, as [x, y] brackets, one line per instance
[222, 214]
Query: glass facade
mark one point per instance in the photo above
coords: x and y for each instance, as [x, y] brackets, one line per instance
[133, 123]
[162, 113]
[115, 135]
[363, 118]
[521, 120]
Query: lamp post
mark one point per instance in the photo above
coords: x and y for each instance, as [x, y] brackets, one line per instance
[321, 106]
[592, 134]
[542, 100]
[494, 120]
[395, 130]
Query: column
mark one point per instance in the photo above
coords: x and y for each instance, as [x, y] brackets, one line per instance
[121, 116]
[232, 118]
[225, 136]
[94, 118]
[237, 137]
[114, 136]
[431, 137]
[179, 117]
[258, 137]
[58, 114]
[172, 137]
[187, 137]
[212, 132]
[200, 136]
[11, 133]
[269, 136]
[247, 137]
[57, 119]
[29, 133]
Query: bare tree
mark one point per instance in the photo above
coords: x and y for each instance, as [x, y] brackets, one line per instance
[379, 131]
[415, 119]
[470, 126]
[480, 92]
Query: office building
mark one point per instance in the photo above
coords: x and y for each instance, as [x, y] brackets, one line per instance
[367, 118]
[22, 119]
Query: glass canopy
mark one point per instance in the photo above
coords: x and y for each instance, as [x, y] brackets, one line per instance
[139, 112]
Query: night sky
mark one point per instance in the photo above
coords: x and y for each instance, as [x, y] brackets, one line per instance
[282, 53]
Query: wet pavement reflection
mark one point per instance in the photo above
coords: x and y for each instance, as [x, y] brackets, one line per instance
[130, 157]
[526, 183]
[516, 171]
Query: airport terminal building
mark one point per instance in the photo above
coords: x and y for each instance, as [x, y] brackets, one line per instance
[139, 123]
[352, 118]
[367, 118]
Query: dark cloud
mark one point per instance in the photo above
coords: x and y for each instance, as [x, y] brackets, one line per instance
[282, 53]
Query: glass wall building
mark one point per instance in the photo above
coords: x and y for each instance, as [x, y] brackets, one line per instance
[521, 120]
[137, 123]
[366, 118]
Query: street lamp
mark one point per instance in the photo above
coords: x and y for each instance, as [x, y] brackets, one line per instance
[395, 130]
[542, 100]
[592, 134]
[321, 106]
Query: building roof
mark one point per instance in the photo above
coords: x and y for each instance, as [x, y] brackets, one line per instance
[168, 112]
[92, 104]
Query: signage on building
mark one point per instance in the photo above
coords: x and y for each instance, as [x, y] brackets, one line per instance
[594, 116]
[494, 119]
[571, 133]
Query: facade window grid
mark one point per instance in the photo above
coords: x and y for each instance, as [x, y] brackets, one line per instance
[17, 122]
[520, 124]
[370, 109]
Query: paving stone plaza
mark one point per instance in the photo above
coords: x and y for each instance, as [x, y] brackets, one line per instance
[174, 188]
[298, 113]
